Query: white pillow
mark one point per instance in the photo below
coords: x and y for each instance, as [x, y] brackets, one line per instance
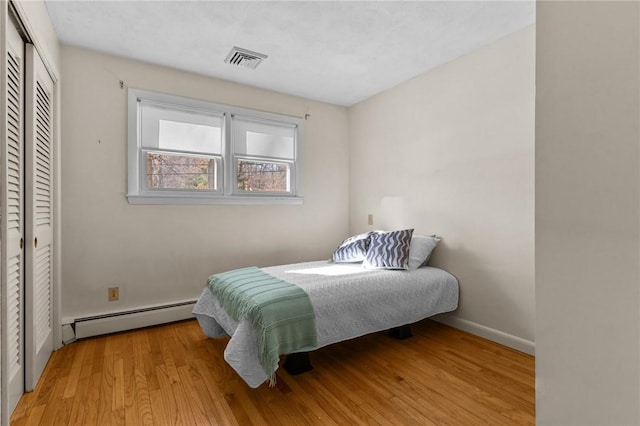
[420, 250]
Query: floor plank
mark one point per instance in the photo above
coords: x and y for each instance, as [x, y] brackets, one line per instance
[173, 374]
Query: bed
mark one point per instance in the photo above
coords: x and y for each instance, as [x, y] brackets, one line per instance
[348, 300]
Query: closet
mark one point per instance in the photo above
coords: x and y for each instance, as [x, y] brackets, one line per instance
[26, 216]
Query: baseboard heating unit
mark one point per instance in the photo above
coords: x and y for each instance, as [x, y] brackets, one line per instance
[129, 320]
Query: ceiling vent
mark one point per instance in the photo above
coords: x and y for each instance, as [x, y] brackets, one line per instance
[244, 58]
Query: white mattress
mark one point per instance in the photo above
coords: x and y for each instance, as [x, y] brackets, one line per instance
[348, 300]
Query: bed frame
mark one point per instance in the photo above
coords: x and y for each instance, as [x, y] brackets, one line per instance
[300, 362]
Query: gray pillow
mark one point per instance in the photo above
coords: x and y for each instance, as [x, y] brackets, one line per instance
[389, 250]
[420, 250]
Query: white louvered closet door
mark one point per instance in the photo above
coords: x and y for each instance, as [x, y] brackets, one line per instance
[12, 226]
[39, 207]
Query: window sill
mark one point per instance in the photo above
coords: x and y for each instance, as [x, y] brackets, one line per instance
[229, 200]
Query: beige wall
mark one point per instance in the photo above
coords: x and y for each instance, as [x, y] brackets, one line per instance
[163, 253]
[451, 152]
[587, 213]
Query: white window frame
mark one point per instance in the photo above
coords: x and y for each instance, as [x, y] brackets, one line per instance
[227, 192]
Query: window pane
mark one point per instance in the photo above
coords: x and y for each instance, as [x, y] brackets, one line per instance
[260, 176]
[264, 139]
[170, 127]
[188, 172]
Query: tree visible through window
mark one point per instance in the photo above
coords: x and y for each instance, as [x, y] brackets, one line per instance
[262, 176]
[165, 171]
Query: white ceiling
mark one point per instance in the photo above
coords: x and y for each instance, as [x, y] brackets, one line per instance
[337, 52]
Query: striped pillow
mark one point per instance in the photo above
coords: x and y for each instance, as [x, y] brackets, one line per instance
[389, 250]
[353, 249]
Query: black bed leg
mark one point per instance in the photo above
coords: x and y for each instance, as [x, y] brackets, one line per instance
[401, 333]
[298, 363]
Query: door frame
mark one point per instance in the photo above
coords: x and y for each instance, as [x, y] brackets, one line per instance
[37, 26]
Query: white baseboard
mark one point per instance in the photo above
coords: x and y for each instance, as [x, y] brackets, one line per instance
[68, 334]
[497, 336]
[129, 320]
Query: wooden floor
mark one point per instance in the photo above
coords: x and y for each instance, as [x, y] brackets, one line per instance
[174, 375]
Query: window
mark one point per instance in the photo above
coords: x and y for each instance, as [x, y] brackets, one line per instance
[264, 155]
[185, 151]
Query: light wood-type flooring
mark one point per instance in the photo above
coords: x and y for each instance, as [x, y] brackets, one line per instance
[174, 375]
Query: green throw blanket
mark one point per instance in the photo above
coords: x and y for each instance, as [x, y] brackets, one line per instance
[281, 313]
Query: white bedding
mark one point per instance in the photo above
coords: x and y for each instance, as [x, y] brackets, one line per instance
[348, 300]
